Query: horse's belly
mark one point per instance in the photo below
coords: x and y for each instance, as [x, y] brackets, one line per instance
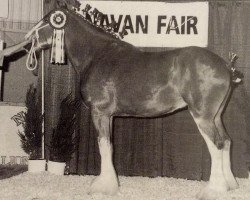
[158, 101]
[163, 103]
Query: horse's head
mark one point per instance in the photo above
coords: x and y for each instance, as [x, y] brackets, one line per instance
[56, 19]
[42, 32]
[61, 30]
[49, 32]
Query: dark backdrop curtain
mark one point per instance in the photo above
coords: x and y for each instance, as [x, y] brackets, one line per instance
[169, 145]
[229, 32]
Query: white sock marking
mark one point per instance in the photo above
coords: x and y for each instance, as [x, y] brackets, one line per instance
[217, 180]
[106, 182]
[227, 167]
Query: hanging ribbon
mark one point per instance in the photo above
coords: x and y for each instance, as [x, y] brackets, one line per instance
[58, 50]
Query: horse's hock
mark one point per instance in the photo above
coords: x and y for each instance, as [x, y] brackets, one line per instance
[164, 146]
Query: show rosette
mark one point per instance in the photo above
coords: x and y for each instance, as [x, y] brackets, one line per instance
[58, 21]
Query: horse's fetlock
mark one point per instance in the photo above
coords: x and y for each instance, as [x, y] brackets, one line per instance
[219, 141]
[219, 144]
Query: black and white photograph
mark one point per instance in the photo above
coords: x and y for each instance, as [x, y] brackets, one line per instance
[124, 100]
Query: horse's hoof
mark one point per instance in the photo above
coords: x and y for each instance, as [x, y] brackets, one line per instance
[107, 185]
[211, 193]
[233, 184]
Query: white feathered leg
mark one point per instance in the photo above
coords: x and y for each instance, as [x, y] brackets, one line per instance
[106, 182]
[227, 167]
[217, 183]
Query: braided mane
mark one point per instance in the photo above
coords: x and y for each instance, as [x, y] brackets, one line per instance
[105, 29]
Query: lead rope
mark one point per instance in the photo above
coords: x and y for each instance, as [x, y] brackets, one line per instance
[32, 52]
[31, 56]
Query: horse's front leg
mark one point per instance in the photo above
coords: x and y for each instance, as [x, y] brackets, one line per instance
[107, 181]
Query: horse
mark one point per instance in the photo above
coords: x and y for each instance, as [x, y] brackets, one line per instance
[119, 79]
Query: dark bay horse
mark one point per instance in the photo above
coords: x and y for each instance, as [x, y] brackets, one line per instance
[118, 79]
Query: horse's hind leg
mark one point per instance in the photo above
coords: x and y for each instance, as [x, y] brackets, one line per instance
[208, 120]
[217, 182]
[226, 149]
[106, 182]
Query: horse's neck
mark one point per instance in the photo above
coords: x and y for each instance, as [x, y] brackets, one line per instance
[82, 43]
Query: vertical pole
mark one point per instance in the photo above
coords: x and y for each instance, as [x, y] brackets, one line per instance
[43, 146]
[1, 76]
[1, 71]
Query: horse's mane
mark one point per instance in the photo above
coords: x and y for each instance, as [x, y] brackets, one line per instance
[100, 30]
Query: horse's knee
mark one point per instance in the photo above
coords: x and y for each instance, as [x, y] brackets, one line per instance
[102, 124]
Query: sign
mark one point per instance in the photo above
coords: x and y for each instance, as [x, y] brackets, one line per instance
[4, 8]
[11, 121]
[157, 24]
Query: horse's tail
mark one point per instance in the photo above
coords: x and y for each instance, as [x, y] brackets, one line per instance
[237, 76]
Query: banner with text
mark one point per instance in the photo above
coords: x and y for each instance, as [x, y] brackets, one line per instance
[4, 8]
[157, 24]
[11, 121]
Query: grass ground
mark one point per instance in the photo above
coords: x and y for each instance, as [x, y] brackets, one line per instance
[7, 171]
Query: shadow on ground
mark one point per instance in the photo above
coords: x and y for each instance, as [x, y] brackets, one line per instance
[7, 171]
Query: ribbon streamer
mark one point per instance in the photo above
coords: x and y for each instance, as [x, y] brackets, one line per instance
[58, 51]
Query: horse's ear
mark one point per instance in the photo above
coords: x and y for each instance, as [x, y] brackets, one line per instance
[61, 4]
